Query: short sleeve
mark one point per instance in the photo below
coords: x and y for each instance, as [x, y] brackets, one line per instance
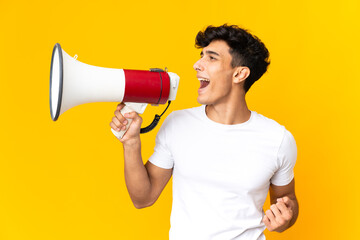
[286, 158]
[162, 156]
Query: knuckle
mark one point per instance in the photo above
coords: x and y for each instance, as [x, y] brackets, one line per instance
[120, 117]
[280, 205]
[115, 121]
[288, 216]
[281, 221]
[113, 126]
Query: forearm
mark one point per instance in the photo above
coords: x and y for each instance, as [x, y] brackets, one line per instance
[136, 176]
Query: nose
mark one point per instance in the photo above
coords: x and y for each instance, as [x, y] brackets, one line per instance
[198, 66]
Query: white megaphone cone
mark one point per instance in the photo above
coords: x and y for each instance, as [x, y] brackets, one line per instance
[73, 83]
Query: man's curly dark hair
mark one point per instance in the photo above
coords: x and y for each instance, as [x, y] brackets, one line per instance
[245, 49]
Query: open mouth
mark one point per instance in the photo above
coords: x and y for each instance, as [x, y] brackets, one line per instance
[204, 82]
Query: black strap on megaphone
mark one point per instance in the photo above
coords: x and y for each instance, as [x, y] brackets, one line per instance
[154, 122]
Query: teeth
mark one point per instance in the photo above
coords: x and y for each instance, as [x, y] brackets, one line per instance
[204, 79]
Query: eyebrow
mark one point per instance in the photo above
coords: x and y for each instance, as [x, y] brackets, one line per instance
[209, 52]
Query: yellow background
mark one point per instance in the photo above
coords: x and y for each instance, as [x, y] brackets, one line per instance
[64, 179]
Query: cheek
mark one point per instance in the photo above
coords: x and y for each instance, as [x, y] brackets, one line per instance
[222, 87]
[221, 77]
[224, 81]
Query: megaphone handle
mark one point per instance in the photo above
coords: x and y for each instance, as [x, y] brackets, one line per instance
[124, 110]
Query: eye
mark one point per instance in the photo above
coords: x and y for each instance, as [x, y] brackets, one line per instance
[212, 58]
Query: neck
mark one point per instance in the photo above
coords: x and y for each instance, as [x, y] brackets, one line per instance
[233, 112]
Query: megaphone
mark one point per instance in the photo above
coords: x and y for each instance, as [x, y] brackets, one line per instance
[73, 83]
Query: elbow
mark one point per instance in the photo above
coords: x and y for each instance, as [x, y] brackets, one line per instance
[140, 205]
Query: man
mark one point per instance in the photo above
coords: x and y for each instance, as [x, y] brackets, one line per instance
[224, 158]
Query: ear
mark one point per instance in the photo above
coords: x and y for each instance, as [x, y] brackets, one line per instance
[240, 74]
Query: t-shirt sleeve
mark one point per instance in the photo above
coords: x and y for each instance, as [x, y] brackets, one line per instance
[286, 158]
[162, 156]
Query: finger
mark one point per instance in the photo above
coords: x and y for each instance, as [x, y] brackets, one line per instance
[120, 117]
[282, 207]
[113, 126]
[132, 115]
[270, 215]
[275, 210]
[266, 220]
[286, 212]
[116, 122]
[286, 200]
[120, 106]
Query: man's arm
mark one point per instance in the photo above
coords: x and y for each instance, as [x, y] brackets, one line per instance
[144, 183]
[284, 208]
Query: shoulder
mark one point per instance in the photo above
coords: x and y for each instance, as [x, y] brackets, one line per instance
[266, 124]
[266, 121]
[272, 129]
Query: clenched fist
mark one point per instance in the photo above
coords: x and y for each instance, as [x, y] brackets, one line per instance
[278, 217]
[119, 123]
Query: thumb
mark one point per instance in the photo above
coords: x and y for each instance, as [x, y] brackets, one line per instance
[131, 115]
[120, 106]
[134, 116]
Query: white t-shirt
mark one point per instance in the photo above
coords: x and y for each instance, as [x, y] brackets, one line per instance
[222, 173]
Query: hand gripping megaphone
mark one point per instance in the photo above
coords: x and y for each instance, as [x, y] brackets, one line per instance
[73, 83]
